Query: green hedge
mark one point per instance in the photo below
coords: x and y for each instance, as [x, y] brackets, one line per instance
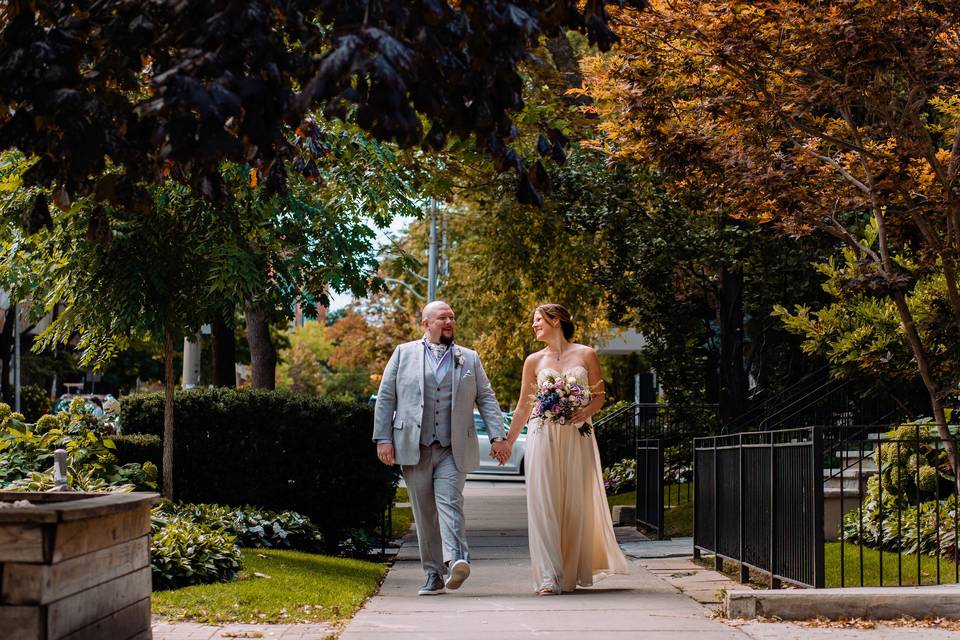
[272, 449]
[139, 448]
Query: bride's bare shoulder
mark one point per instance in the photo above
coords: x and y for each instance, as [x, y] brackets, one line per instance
[534, 358]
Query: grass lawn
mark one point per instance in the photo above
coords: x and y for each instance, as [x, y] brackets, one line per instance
[402, 495]
[871, 567]
[402, 519]
[301, 587]
[677, 518]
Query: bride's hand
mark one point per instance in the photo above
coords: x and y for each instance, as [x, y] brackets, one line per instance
[579, 417]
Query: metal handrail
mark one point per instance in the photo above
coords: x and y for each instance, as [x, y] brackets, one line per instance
[777, 399]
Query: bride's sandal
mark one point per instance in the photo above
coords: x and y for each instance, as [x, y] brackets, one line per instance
[548, 588]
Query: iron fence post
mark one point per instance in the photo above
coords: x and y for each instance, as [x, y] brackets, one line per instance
[717, 560]
[661, 535]
[744, 571]
[693, 480]
[774, 581]
[817, 497]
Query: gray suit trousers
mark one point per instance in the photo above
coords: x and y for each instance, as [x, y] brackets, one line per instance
[435, 487]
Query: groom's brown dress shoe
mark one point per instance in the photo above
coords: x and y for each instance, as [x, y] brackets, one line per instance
[433, 586]
[459, 571]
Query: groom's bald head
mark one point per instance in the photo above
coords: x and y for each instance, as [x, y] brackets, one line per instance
[438, 322]
[432, 308]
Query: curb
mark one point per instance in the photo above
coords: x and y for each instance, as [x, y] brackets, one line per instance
[877, 603]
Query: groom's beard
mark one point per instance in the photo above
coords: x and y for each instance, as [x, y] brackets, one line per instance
[446, 339]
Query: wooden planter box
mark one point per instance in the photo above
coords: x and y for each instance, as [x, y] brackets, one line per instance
[76, 566]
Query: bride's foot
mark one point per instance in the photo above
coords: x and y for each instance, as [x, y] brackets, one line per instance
[548, 588]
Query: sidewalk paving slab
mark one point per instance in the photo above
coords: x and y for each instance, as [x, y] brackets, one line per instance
[197, 631]
[672, 548]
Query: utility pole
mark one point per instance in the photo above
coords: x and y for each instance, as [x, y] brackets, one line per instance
[191, 362]
[432, 260]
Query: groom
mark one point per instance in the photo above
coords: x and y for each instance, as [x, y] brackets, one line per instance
[423, 421]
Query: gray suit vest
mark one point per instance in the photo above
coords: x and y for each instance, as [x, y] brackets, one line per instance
[437, 398]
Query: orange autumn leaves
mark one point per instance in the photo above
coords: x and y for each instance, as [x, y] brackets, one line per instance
[788, 112]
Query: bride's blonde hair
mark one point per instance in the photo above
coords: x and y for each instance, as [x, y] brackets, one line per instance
[558, 312]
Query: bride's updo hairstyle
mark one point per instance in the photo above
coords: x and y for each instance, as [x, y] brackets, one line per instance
[558, 312]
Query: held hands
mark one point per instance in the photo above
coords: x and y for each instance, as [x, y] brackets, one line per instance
[501, 451]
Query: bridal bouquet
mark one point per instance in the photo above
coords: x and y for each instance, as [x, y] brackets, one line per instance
[558, 398]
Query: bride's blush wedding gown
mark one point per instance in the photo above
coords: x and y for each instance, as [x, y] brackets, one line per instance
[571, 535]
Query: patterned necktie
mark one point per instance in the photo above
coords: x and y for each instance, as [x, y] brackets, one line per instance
[437, 350]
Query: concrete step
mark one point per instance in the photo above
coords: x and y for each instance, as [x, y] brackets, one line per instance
[835, 493]
[850, 472]
[850, 484]
[855, 464]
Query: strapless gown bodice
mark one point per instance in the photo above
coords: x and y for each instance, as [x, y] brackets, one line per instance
[578, 372]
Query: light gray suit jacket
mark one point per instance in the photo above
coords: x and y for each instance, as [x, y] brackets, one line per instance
[399, 409]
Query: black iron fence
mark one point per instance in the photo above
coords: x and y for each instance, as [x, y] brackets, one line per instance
[830, 506]
[650, 484]
[758, 499]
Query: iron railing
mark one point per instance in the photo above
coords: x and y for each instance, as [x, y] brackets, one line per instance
[818, 399]
[890, 500]
[758, 500]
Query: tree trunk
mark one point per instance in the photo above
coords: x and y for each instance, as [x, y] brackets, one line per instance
[168, 414]
[923, 364]
[263, 355]
[733, 379]
[6, 354]
[224, 354]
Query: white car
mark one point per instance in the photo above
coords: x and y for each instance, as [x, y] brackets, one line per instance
[514, 466]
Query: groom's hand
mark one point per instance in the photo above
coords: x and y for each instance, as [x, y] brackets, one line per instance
[385, 452]
[501, 451]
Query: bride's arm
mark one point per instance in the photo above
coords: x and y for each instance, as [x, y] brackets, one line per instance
[524, 402]
[595, 380]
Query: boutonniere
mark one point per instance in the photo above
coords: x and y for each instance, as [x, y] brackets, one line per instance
[457, 357]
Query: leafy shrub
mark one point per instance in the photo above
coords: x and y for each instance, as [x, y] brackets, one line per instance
[26, 455]
[34, 402]
[274, 449]
[620, 477]
[898, 528]
[911, 465]
[185, 552]
[253, 527]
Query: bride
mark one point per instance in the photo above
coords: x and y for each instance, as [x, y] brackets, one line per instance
[571, 536]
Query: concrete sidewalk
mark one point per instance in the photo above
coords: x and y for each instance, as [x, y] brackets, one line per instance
[664, 597]
[498, 600]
